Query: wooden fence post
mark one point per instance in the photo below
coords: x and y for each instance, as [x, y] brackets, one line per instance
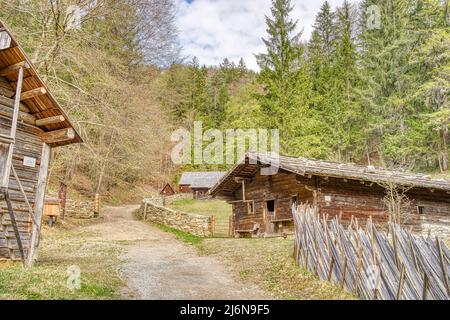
[231, 227]
[444, 269]
[62, 195]
[401, 283]
[145, 211]
[425, 287]
[344, 272]
[97, 205]
[213, 226]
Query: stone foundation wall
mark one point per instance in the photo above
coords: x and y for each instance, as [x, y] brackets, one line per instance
[159, 201]
[81, 209]
[192, 223]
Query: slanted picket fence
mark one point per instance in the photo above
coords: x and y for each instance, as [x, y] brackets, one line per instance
[372, 264]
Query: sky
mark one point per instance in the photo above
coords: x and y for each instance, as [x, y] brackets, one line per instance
[212, 30]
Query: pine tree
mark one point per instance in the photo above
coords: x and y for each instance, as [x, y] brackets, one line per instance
[324, 28]
[346, 120]
[433, 63]
[286, 86]
[386, 50]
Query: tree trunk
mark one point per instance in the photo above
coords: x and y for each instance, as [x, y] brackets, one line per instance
[444, 144]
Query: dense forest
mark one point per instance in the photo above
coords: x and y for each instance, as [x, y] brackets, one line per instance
[370, 86]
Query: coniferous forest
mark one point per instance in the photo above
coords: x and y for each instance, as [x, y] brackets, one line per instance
[368, 87]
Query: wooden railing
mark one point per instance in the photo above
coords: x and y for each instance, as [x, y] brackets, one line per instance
[372, 264]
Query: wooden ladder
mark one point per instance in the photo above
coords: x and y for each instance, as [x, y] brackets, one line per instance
[7, 143]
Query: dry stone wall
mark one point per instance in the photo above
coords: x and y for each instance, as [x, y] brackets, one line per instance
[192, 223]
[81, 209]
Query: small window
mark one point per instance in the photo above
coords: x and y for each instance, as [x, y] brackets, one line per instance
[251, 207]
[420, 210]
[271, 205]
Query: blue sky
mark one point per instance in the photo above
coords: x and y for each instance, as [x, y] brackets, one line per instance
[214, 29]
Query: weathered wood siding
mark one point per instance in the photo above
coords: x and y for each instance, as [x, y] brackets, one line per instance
[185, 189]
[28, 143]
[332, 196]
[350, 198]
[281, 188]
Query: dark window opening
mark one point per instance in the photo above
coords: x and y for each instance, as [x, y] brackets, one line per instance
[420, 210]
[251, 208]
[294, 203]
[271, 205]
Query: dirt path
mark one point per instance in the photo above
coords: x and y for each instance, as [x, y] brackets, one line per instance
[160, 267]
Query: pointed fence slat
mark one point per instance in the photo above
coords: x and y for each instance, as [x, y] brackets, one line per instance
[372, 264]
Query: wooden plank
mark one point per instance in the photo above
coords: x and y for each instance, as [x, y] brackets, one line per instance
[39, 205]
[14, 224]
[6, 92]
[7, 162]
[24, 194]
[33, 93]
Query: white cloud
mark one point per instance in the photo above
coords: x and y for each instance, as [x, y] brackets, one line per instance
[213, 30]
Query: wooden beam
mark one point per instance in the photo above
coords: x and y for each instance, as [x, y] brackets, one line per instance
[33, 93]
[25, 117]
[58, 136]
[49, 120]
[39, 205]
[14, 68]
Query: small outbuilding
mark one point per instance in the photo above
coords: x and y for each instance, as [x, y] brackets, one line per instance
[263, 203]
[199, 183]
[31, 124]
[167, 190]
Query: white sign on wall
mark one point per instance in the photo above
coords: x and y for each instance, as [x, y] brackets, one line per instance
[5, 40]
[328, 198]
[29, 162]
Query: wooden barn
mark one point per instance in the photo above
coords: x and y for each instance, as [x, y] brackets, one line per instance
[262, 204]
[199, 183]
[31, 124]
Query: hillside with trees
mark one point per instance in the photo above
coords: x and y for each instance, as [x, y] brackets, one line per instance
[355, 92]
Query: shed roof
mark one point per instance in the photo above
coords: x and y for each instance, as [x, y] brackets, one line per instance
[253, 162]
[201, 179]
[42, 106]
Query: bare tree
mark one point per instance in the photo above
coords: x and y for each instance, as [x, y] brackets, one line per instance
[398, 205]
[157, 32]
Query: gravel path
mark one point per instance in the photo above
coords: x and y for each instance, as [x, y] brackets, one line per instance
[160, 267]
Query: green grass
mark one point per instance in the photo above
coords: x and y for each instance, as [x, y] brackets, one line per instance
[218, 208]
[61, 247]
[181, 235]
[269, 264]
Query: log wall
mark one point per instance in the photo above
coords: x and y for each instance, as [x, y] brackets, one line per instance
[28, 143]
[333, 197]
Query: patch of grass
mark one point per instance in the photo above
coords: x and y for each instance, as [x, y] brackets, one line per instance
[218, 208]
[63, 246]
[269, 264]
[181, 235]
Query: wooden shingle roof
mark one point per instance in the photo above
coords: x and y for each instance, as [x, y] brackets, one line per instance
[200, 179]
[40, 106]
[253, 162]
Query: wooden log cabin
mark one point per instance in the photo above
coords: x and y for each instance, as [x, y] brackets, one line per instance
[199, 183]
[262, 204]
[31, 124]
